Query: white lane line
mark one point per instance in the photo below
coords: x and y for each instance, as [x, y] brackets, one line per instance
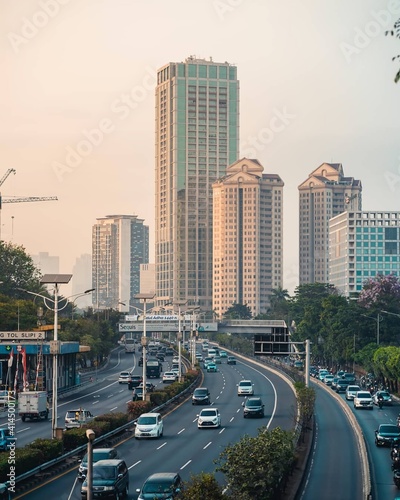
[222, 430]
[233, 418]
[238, 410]
[186, 464]
[96, 402]
[110, 396]
[207, 445]
[23, 430]
[162, 446]
[180, 432]
[115, 407]
[134, 465]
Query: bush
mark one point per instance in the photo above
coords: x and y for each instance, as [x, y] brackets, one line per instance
[51, 448]
[114, 419]
[74, 438]
[158, 398]
[136, 408]
[26, 460]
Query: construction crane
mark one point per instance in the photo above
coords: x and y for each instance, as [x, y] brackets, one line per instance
[21, 199]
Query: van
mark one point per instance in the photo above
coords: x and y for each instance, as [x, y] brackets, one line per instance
[76, 418]
[98, 454]
[211, 353]
[110, 479]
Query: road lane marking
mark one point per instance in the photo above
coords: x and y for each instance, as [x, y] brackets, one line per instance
[134, 465]
[162, 446]
[115, 407]
[207, 445]
[186, 464]
[181, 431]
[23, 430]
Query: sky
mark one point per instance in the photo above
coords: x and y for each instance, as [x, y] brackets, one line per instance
[316, 85]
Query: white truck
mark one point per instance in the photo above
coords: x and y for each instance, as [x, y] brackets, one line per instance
[33, 405]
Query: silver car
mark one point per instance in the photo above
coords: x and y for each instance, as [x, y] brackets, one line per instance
[351, 391]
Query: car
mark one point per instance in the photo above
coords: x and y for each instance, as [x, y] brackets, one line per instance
[299, 364]
[149, 386]
[223, 354]
[253, 407]
[386, 434]
[160, 356]
[245, 388]
[137, 393]
[211, 367]
[200, 396]
[363, 399]
[217, 360]
[169, 377]
[334, 382]
[149, 425]
[328, 379]
[350, 377]
[209, 417]
[135, 381]
[175, 359]
[98, 454]
[351, 391]
[110, 479]
[322, 373]
[231, 360]
[76, 418]
[161, 485]
[7, 439]
[385, 395]
[207, 360]
[124, 378]
[169, 351]
[199, 357]
[341, 385]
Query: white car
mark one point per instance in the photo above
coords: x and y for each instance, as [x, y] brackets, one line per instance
[351, 391]
[169, 377]
[175, 359]
[363, 399]
[245, 388]
[124, 378]
[209, 417]
[149, 425]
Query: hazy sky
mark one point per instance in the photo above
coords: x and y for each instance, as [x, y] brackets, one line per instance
[316, 85]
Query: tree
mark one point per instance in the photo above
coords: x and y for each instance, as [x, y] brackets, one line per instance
[381, 292]
[17, 270]
[396, 33]
[238, 311]
[202, 486]
[255, 466]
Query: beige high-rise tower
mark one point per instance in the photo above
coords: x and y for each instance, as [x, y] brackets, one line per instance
[247, 228]
[325, 194]
[197, 137]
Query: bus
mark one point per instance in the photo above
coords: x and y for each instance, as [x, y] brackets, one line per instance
[129, 343]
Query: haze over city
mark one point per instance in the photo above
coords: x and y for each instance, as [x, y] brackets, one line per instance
[77, 100]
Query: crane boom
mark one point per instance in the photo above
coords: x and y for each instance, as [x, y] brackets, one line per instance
[9, 171]
[30, 198]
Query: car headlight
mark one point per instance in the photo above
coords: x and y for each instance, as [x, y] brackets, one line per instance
[108, 488]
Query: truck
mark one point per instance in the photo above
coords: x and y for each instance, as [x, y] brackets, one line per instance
[153, 368]
[33, 405]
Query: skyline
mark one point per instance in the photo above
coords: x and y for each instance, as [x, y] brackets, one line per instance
[316, 85]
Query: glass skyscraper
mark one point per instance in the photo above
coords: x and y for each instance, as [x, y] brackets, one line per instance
[197, 137]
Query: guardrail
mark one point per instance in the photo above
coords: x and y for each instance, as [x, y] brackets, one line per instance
[47, 465]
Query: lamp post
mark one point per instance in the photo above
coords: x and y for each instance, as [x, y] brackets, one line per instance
[144, 297]
[90, 435]
[56, 280]
[180, 303]
[378, 320]
[78, 296]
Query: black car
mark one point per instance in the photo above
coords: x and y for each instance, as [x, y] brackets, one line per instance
[162, 485]
[135, 381]
[341, 385]
[98, 454]
[386, 434]
[110, 480]
[200, 396]
[253, 407]
[137, 393]
[160, 356]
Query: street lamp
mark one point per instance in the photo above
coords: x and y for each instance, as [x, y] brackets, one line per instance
[90, 435]
[56, 280]
[78, 296]
[378, 319]
[144, 297]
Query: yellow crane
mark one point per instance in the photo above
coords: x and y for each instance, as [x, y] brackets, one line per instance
[20, 199]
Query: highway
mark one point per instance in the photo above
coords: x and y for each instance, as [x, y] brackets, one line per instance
[183, 447]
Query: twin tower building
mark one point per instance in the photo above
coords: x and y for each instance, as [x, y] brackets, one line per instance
[218, 217]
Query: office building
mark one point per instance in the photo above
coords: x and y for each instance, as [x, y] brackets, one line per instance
[48, 264]
[247, 232]
[325, 194]
[120, 244]
[197, 137]
[82, 280]
[361, 246]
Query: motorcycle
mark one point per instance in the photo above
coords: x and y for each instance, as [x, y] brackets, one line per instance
[396, 478]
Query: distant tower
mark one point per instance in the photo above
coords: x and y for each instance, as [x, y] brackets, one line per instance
[82, 279]
[120, 244]
[247, 231]
[48, 264]
[325, 194]
[197, 137]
